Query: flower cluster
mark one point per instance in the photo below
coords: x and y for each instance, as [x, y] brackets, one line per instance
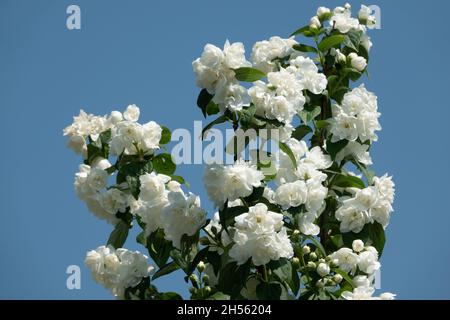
[292, 223]
[117, 269]
[367, 205]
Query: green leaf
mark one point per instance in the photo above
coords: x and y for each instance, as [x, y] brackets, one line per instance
[301, 131]
[223, 118]
[309, 115]
[178, 179]
[369, 174]
[284, 147]
[348, 181]
[378, 237]
[333, 148]
[331, 41]
[94, 152]
[300, 31]
[246, 115]
[212, 108]
[320, 124]
[134, 185]
[304, 48]
[203, 100]
[168, 296]
[166, 269]
[105, 137]
[166, 135]
[353, 74]
[141, 238]
[119, 235]
[162, 163]
[219, 296]
[248, 74]
[158, 247]
[284, 271]
[353, 39]
[268, 291]
[232, 278]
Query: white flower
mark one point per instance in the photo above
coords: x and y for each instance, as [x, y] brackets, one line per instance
[357, 245]
[368, 260]
[351, 218]
[259, 220]
[291, 194]
[231, 182]
[132, 136]
[115, 117]
[117, 269]
[264, 52]
[387, 296]
[87, 125]
[97, 209]
[152, 186]
[114, 201]
[323, 269]
[306, 224]
[77, 144]
[323, 12]
[132, 113]
[364, 13]
[260, 235]
[340, 57]
[365, 42]
[356, 150]
[181, 215]
[89, 180]
[308, 74]
[214, 68]
[343, 21]
[347, 260]
[357, 117]
[361, 281]
[359, 63]
[150, 212]
[232, 96]
[314, 23]
[359, 293]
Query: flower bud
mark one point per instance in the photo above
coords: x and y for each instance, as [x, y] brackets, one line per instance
[205, 279]
[323, 13]
[357, 62]
[320, 284]
[115, 117]
[201, 266]
[194, 279]
[358, 245]
[295, 262]
[314, 23]
[334, 263]
[337, 278]
[321, 260]
[313, 256]
[348, 6]
[192, 290]
[306, 249]
[323, 269]
[207, 290]
[311, 265]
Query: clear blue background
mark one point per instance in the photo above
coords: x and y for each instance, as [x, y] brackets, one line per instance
[141, 52]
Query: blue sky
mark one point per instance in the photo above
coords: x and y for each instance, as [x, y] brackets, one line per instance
[141, 52]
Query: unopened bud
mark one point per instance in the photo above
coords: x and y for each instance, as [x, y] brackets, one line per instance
[295, 262]
[205, 279]
[201, 266]
[313, 256]
[306, 249]
[311, 265]
[207, 290]
[337, 278]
